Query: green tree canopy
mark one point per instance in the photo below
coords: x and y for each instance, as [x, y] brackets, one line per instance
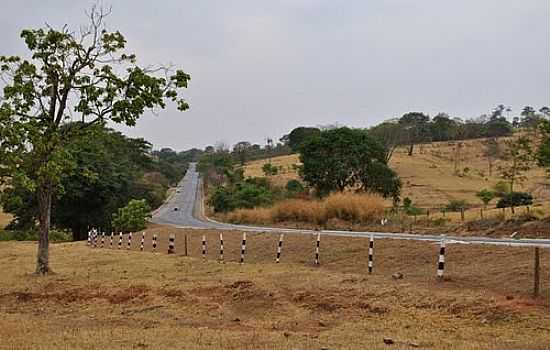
[85, 75]
[343, 158]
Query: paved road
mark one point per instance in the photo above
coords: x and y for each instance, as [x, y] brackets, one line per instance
[187, 201]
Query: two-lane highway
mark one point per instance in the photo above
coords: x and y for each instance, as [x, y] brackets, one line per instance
[184, 209]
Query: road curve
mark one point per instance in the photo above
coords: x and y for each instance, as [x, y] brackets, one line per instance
[183, 209]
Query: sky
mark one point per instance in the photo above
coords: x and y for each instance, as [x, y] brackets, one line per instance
[260, 68]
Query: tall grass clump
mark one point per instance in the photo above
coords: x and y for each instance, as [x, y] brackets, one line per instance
[258, 216]
[301, 210]
[355, 207]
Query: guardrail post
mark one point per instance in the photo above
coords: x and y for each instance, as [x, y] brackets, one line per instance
[279, 248]
[317, 249]
[441, 262]
[371, 254]
[243, 247]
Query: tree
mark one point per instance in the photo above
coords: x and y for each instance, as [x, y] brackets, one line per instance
[443, 128]
[492, 152]
[299, 135]
[345, 158]
[520, 156]
[390, 134]
[241, 150]
[530, 118]
[416, 126]
[87, 77]
[486, 196]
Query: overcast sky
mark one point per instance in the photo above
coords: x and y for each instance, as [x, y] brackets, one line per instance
[260, 68]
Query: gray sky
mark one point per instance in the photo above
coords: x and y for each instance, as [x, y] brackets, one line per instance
[262, 67]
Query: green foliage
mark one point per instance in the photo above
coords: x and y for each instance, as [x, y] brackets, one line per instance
[132, 217]
[270, 169]
[294, 187]
[250, 193]
[32, 235]
[300, 135]
[456, 205]
[520, 155]
[486, 196]
[515, 199]
[410, 209]
[343, 158]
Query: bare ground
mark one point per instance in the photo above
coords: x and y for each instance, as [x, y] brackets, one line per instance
[119, 299]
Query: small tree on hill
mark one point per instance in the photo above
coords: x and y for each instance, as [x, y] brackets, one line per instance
[85, 76]
[486, 196]
[520, 157]
[132, 217]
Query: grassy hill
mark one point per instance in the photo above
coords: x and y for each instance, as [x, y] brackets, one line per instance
[124, 299]
[429, 176]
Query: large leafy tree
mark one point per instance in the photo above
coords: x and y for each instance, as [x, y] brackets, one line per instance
[417, 128]
[86, 76]
[344, 158]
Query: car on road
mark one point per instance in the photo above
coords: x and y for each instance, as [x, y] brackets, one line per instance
[176, 208]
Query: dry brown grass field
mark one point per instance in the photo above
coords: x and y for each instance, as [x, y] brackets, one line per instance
[119, 299]
[429, 177]
[4, 219]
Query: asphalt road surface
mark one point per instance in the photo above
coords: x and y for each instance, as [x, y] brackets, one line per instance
[184, 210]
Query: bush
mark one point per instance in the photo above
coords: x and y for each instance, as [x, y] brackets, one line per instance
[457, 205]
[252, 192]
[300, 210]
[132, 217]
[294, 187]
[361, 208]
[55, 236]
[410, 209]
[515, 199]
[270, 169]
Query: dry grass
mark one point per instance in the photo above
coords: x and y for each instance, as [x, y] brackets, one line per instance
[352, 207]
[119, 300]
[429, 177]
[5, 219]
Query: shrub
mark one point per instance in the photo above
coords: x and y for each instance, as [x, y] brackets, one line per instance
[55, 236]
[258, 216]
[252, 192]
[133, 216]
[294, 187]
[299, 210]
[515, 199]
[410, 209]
[270, 169]
[456, 205]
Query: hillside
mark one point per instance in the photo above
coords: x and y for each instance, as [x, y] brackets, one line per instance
[124, 299]
[429, 177]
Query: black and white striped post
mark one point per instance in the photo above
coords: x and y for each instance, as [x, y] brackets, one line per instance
[154, 242]
[371, 253]
[94, 233]
[120, 240]
[142, 241]
[221, 247]
[317, 249]
[112, 236]
[102, 239]
[243, 247]
[89, 238]
[441, 262]
[172, 244]
[279, 248]
[204, 247]
[129, 241]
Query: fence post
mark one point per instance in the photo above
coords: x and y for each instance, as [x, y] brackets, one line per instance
[441, 262]
[112, 237]
[481, 213]
[120, 240]
[203, 246]
[279, 248]
[317, 249]
[89, 238]
[172, 244]
[102, 239]
[462, 214]
[154, 242]
[129, 241]
[243, 247]
[371, 253]
[185, 244]
[221, 247]
[141, 246]
[536, 287]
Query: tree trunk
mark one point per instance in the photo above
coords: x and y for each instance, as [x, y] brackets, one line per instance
[44, 196]
[411, 148]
